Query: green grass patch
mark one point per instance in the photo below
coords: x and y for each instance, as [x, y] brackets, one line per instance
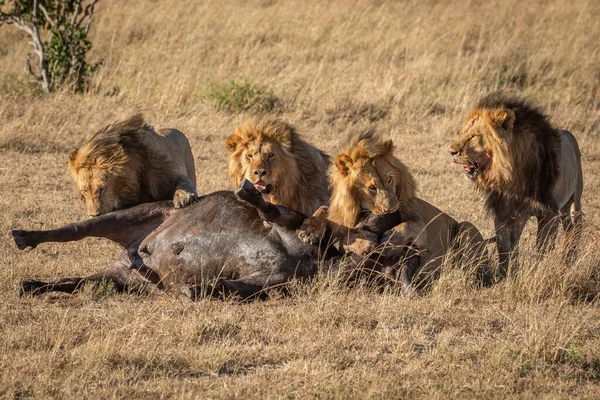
[240, 97]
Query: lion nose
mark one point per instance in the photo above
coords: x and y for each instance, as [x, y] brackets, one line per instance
[260, 172]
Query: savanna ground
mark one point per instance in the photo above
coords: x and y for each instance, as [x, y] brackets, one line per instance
[410, 68]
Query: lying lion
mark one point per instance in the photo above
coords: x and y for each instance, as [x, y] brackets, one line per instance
[367, 180]
[128, 163]
[281, 165]
[525, 168]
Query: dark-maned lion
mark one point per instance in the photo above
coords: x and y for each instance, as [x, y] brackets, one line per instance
[367, 179]
[525, 168]
[287, 170]
[128, 163]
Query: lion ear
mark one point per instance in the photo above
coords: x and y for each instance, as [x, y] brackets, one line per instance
[343, 164]
[503, 118]
[73, 156]
[388, 147]
[233, 142]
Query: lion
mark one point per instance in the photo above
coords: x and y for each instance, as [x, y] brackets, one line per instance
[525, 167]
[367, 179]
[286, 169]
[128, 163]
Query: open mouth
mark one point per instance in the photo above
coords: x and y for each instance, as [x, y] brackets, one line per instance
[471, 170]
[263, 187]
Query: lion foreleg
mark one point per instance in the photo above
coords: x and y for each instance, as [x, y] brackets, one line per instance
[508, 233]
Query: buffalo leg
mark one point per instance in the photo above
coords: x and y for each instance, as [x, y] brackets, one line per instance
[124, 227]
[119, 274]
[280, 215]
[248, 288]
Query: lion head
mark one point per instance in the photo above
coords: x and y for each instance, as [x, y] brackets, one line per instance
[104, 169]
[287, 170]
[367, 177]
[503, 145]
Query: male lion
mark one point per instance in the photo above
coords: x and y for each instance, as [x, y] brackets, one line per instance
[287, 170]
[367, 179]
[128, 163]
[526, 168]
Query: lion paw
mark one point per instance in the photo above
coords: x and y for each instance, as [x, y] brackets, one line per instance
[312, 230]
[361, 247]
[183, 198]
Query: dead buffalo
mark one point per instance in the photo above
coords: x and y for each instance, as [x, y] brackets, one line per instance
[217, 246]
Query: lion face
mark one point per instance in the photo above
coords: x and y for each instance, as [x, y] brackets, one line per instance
[470, 150]
[260, 161]
[373, 184]
[96, 190]
[473, 149]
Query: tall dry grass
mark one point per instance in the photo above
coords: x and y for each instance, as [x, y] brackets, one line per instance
[412, 69]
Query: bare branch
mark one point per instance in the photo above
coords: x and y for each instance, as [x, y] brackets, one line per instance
[47, 16]
[28, 68]
[74, 18]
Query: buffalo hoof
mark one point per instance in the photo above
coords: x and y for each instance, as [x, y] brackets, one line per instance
[24, 239]
[30, 287]
[247, 192]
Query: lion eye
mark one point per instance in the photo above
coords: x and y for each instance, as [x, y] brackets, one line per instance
[271, 155]
[472, 137]
[249, 156]
[373, 188]
[390, 180]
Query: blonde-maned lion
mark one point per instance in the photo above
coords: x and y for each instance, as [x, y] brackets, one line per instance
[525, 168]
[128, 163]
[287, 170]
[368, 179]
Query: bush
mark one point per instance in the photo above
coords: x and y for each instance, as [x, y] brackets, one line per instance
[62, 57]
[243, 97]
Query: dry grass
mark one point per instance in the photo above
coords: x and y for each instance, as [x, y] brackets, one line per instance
[411, 68]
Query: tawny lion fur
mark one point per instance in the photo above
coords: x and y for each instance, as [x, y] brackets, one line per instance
[367, 178]
[525, 168]
[128, 163]
[268, 151]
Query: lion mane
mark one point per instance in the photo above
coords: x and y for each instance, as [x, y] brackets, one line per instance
[142, 165]
[296, 170]
[366, 147]
[516, 171]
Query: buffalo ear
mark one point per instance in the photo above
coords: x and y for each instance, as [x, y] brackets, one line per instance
[233, 142]
[503, 119]
[343, 164]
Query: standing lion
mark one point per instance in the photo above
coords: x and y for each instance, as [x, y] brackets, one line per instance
[287, 170]
[128, 163]
[525, 168]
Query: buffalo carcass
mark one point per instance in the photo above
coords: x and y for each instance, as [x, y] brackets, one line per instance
[218, 246]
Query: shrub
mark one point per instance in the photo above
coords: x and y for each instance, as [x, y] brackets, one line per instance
[243, 97]
[62, 56]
